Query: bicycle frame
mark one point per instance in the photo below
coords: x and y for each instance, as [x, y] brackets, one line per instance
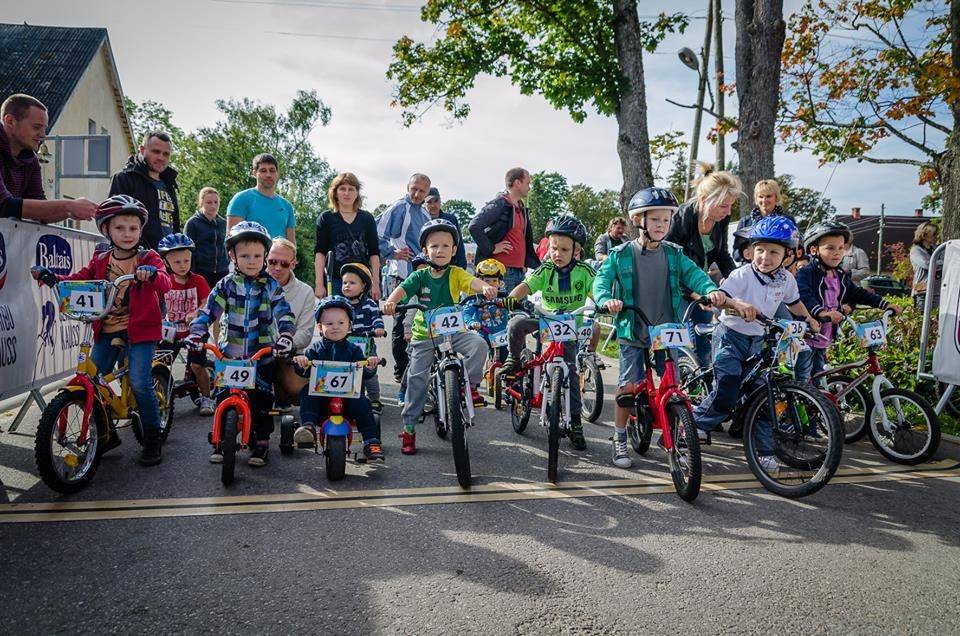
[236, 399]
[444, 358]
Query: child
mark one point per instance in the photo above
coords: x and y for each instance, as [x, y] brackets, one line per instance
[135, 315]
[492, 320]
[565, 283]
[645, 273]
[418, 262]
[188, 292]
[436, 287]
[355, 280]
[334, 316]
[825, 288]
[251, 301]
[763, 285]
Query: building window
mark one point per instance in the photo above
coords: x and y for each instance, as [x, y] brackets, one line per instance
[103, 131]
[91, 127]
[72, 157]
[98, 155]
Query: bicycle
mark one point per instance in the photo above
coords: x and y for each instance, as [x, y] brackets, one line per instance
[548, 369]
[67, 455]
[904, 427]
[807, 436]
[589, 366]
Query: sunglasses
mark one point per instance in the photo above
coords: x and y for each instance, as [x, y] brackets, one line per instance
[273, 262]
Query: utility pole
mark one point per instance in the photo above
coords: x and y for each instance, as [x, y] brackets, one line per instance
[718, 69]
[883, 210]
[701, 90]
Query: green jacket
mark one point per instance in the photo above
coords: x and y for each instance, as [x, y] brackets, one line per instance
[614, 281]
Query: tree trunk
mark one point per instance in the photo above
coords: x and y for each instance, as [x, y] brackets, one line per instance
[633, 139]
[760, 34]
[948, 165]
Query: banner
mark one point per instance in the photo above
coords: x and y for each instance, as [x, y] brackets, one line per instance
[946, 353]
[37, 345]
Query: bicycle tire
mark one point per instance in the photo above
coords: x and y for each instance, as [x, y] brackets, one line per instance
[228, 445]
[694, 381]
[791, 444]
[554, 411]
[45, 439]
[686, 469]
[639, 432]
[520, 409]
[287, 431]
[335, 457]
[162, 385]
[852, 407]
[591, 384]
[458, 433]
[897, 447]
[497, 390]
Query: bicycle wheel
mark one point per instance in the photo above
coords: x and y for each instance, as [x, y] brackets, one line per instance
[694, 381]
[953, 404]
[685, 467]
[287, 429]
[853, 407]
[915, 429]
[554, 413]
[431, 407]
[335, 457]
[228, 444]
[64, 465]
[796, 450]
[591, 388]
[162, 386]
[497, 390]
[520, 409]
[639, 430]
[458, 432]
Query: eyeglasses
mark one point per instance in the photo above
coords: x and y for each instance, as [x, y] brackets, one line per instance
[273, 262]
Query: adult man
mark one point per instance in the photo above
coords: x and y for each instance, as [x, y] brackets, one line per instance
[21, 185]
[502, 229]
[262, 204]
[149, 179]
[432, 205]
[399, 230]
[280, 263]
[856, 262]
[614, 236]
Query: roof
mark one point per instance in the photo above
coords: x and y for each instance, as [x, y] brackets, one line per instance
[896, 229]
[48, 62]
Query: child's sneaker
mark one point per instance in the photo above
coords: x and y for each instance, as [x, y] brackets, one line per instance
[216, 457]
[620, 457]
[401, 397]
[207, 406]
[576, 436]
[478, 400]
[258, 457]
[768, 463]
[408, 443]
[305, 435]
[372, 450]
[703, 436]
[377, 406]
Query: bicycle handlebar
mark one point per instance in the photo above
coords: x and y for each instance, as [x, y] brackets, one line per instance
[361, 363]
[215, 350]
[113, 287]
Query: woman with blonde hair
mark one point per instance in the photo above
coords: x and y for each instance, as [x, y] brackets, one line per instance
[766, 199]
[924, 241]
[345, 234]
[208, 230]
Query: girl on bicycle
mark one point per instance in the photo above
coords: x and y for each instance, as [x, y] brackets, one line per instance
[134, 321]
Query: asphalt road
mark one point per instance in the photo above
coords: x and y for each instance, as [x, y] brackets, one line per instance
[398, 548]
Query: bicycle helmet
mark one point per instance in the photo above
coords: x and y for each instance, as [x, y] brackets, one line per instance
[774, 229]
[360, 270]
[248, 231]
[438, 225]
[652, 198]
[824, 229]
[419, 259]
[174, 242]
[491, 267]
[329, 302]
[118, 205]
[567, 225]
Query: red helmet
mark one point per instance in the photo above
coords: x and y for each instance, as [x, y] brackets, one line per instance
[117, 205]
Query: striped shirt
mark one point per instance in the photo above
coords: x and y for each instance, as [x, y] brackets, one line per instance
[19, 178]
[366, 316]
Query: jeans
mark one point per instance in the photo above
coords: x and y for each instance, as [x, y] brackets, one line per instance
[519, 328]
[313, 407]
[139, 365]
[809, 363]
[701, 344]
[399, 345]
[512, 278]
[470, 345]
[371, 384]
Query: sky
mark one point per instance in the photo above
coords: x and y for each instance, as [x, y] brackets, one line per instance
[188, 53]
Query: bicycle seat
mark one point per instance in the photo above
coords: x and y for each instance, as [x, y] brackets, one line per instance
[706, 329]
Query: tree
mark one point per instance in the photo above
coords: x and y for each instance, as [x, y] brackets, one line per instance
[890, 77]
[547, 199]
[805, 205]
[671, 147]
[760, 35]
[594, 209]
[151, 115]
[574, 53]
[463, 210]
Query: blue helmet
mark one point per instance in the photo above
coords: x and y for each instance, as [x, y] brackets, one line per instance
[174, 242]
[248, 231]
[652, 198]
[439, 225]
[419, 259]
[775, 229]
[328, 302]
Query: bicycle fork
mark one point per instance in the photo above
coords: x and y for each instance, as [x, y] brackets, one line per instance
[464, 383]
[549, 370]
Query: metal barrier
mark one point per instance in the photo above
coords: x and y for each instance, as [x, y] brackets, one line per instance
[933, 294]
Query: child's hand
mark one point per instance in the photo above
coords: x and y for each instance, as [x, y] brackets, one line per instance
[896, 309]
[747, 311]
[489, 292]
[44, 275]
[613, 306]
[372, 362]
[389, 308]
[301, 361]
[407, 335]
[379, 333]
[834, 316]
[145, 273]
[846, 309]
[191, 317]
[717, 298]
[814, 324]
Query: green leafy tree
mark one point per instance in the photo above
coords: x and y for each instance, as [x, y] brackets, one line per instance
[805, 205]
[151, 115]
[463, 210]
[576, 54]
[547, 199]
[594, 209]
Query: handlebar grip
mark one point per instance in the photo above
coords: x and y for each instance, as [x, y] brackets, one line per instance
[410, 306]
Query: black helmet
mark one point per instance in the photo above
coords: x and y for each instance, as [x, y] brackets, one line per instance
[329, 302]
[567, 225]
[824, 229]
[652, 198]
[438, 225]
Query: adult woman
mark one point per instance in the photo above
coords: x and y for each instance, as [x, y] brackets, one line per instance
[208, 230]
[924, 240]
[345, 234]
[766, 197]
[700, 228]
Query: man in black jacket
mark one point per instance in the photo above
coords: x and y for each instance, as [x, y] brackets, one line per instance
[502, 229]
[149, 178]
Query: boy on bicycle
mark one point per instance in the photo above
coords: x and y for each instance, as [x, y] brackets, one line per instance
[334, 317]
[491, 320]
[565, 284]
[827, 291]
[646, 273]
[134, 321]
[437, 286]
[251, 301]
[762, 285]
[367, 320]
[188, 292]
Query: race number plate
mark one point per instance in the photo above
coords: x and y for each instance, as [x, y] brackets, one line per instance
[445, 320]
[361, 342]
[872, 334]
[560, 328]
[169, 331]
[335, 379]
[585, 331]
[793, 329]
[670, 336]
[82, 298]
[499, 339]
[235, 374]
[787, 351]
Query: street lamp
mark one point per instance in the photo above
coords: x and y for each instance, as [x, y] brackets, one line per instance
[689, 59]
